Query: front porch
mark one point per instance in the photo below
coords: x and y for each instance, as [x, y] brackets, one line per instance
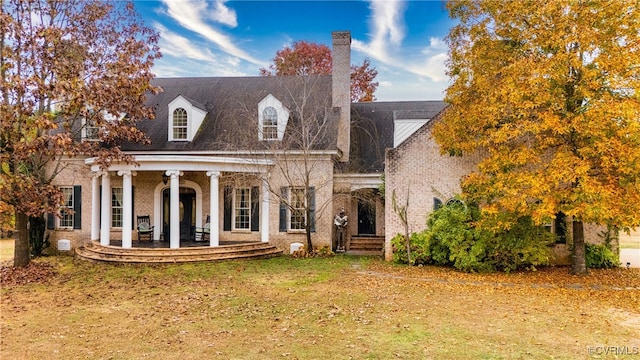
[158, 252]
[173, 195]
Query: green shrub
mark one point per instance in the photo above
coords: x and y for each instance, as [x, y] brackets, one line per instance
[525, 245]
[399, 249]
[419, 246]
[454, 239]
[600, 257]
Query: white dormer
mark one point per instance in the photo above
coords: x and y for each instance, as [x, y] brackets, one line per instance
[272, 119]
[90, 130]
[185, 118]
[405, 123]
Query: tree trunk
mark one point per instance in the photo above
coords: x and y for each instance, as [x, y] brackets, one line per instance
[579, 264]
[37, 226]
[309, 245]
[307, 228]
[407, 239]
[21, 255]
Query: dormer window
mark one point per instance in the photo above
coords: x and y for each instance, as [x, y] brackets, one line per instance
[91, 132]
[180, 124]
[93, 124]
[272, 119]
[270, 123]
[185, 118]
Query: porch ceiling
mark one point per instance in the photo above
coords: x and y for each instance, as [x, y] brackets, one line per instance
[360, 181]
[187, 163]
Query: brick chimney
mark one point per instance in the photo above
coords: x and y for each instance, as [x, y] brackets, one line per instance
[341, 88]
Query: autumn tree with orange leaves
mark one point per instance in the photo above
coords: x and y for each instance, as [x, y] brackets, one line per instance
[550, 91]
[307, 58]
[67, 67]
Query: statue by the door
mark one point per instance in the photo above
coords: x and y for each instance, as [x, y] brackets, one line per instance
[340, 222]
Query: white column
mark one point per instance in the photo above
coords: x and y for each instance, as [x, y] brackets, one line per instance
[214, 199]
[95, 206]
[105, 207]
[127, 205]
[174, 208]
[264, 211]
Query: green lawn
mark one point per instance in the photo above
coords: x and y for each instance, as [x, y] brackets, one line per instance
[333, 308]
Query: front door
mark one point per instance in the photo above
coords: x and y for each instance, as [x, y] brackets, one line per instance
[366, 217]
[187, 204]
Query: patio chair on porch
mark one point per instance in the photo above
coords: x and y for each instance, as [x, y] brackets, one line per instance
[144, 227]
[202, 233]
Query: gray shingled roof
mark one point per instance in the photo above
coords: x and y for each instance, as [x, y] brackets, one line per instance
[231, 104]
[372, 130]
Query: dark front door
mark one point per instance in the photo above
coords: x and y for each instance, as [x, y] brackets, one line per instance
[187, 204]
[366, 217]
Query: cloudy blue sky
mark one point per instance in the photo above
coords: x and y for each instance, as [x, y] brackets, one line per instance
[404, 40]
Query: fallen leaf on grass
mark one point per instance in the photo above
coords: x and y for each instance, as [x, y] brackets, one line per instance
[34, 272]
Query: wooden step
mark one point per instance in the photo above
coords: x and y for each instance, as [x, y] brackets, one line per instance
[95, 252]
[366, 244]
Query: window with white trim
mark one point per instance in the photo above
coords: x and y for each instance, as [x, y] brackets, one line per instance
[297, 209]
[297, 219]
[272, 119]
[91, 131]
[94, 122]
[270, 123]
[66, 212]
[242, 209]
[179, 124]
[116, 207]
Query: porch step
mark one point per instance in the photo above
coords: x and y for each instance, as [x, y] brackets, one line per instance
[366, 245]
[93, 251]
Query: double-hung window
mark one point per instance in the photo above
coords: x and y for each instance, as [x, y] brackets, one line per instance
[66, 213]
[272, 119]
[269, 123]
[70, 216]
[242, 209]
[294, 204]
[180, 124]
[116, 207]
[297, 211]
[91, 131]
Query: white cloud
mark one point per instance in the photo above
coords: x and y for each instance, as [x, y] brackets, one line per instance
[387, 30]
[223, 14]
[408, 87]
[433, 64]
[387, 21]
[433, 67]
[182, 57]
[180, 67]
[190, 15]
[179, 46]
[385, 45]
[435, 43]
